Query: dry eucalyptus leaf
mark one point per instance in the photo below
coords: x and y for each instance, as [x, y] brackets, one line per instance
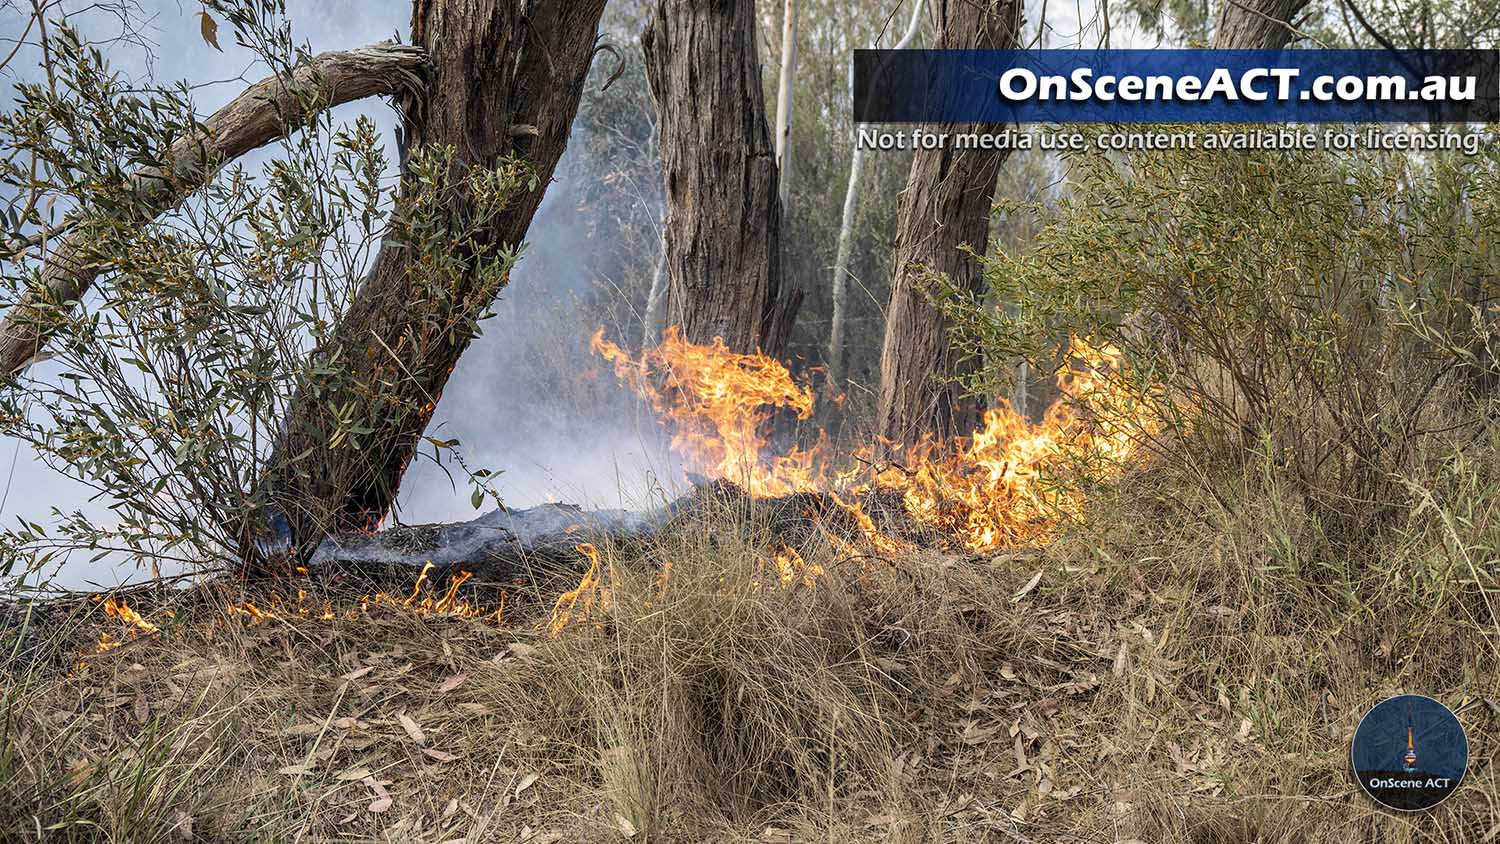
[210, 29]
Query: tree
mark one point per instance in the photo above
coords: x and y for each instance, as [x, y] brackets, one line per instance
[265, 112]
[945, 206]
[1256, 24]
[723, 218]
[505, 85]
[784, 88]
[837, 357]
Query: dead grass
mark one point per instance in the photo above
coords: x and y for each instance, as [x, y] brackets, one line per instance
[1188, 667]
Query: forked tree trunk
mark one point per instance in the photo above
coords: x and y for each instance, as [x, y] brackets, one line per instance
[946, 205]
[506, 80]
[723, 221]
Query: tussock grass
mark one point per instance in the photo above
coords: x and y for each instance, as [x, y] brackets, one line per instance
[1186, 666]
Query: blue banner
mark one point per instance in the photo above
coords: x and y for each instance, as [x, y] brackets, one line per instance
[1176, 86]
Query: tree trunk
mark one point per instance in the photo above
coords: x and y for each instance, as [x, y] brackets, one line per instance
[837, 354]
[1256, 24]
[723, 225]
[506, 80]
[946, 205]
[784, 99]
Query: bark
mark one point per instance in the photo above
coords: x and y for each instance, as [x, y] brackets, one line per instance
[784, 99]
[837, 354]
[265, 112]
[1256, 24]
[506, 80]
[945, 206]
[723, 226]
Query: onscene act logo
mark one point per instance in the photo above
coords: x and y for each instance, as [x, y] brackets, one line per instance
[1409, 753]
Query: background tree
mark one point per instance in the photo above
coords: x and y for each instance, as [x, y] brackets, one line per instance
[945, 206]
[723, 219]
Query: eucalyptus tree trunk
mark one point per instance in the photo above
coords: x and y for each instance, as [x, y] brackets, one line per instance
[505, 82]
[723, 221]
[784, 92]
[946, 205]
[837, 352]
[1256, 24]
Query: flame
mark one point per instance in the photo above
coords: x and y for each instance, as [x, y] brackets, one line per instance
[791, 568]
[122, 610]
[422, 600]
[589, 592]
[718, 402]
[983, 492]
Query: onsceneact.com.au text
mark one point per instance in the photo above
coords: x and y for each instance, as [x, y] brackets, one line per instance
[1256, 85]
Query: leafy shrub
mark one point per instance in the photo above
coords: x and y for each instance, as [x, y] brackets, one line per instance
[1329, 309]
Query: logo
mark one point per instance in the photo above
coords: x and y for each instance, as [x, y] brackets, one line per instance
[1409, 753]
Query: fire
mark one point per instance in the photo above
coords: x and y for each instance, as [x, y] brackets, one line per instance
[122, 610]
[986, 491]
[589, 592]
[422, 600]
[791, 568]
[718, 402]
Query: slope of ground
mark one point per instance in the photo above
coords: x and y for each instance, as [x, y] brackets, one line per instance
[1187, 666]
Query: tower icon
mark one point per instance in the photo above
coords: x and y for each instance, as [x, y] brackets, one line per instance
[1409, 761]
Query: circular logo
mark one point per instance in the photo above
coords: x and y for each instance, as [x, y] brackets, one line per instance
[1409, 753]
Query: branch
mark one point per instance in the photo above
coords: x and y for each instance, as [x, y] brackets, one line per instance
[266, 111]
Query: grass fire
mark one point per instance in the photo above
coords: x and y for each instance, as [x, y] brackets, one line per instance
[547, 422]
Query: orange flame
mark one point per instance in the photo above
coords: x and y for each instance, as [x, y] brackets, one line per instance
[582, 599]
[718, 402]
[985, 491]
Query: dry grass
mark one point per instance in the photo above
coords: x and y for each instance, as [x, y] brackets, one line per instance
[1189, 666]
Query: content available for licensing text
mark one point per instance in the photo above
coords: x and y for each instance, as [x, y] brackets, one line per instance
[1248, 138]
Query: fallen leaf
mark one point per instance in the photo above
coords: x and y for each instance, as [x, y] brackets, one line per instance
[298, 770]
[1026, 590]
[625, 827]
[526, 782]
[383, 800]
[411, 728]
[355, 675]
[439, 755]
[354, 774]
[451, 683]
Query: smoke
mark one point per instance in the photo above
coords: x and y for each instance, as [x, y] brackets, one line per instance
[528, 400]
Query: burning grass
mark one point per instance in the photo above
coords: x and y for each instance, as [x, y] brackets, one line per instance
[1188, 665]
[1011, 481]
